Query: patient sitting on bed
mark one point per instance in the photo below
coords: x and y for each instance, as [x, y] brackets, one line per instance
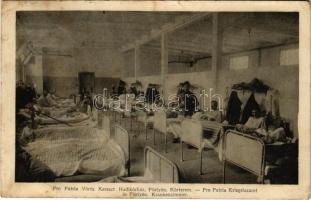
[214, 114]
[254, 122]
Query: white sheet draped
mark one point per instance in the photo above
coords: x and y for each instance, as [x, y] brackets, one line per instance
[79, 149]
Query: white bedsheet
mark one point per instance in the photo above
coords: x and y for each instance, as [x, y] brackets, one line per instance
[79, 149]
[214, 141]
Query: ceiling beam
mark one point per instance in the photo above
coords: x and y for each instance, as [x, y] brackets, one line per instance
[172, 51]
[270, 22]
[167, 28]
[192, 47]
[184, 45]
[197, 48]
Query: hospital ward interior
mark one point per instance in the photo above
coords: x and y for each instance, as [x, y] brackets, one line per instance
[157, 97]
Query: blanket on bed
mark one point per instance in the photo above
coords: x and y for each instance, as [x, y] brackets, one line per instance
[212, 133]
[67, 151]
[56, 112]
[73, 117]
[88, 122]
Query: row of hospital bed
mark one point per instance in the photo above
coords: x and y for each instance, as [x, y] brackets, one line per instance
[89, 148]
[243, 150]
[72, 149]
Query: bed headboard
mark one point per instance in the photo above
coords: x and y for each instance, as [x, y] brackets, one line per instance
[162, 169]
[160, 121]
[245, 151]
[121, 136]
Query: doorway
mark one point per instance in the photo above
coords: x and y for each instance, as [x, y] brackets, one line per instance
[86, 82]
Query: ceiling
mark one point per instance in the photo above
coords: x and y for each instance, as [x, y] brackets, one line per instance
[240, 32]
[88, 29]
[113, 30]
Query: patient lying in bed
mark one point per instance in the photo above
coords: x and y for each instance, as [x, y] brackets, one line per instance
[44, 116]
[214, 114]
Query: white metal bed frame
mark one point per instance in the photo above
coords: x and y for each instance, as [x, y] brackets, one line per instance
[196, 140]
[160, 125]
[122, 138]
[244, 151]
[162, 169]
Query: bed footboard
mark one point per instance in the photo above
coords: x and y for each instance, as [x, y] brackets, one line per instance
[192, 134]
[162, 169]
[105, 125]
[160, 125]
[245, 151]
[122, 138]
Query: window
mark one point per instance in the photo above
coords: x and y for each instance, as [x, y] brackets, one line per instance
[240, 62]
[289, 57]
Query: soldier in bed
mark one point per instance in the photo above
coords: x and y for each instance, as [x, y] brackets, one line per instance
[212, 115]
[52, 95]
[257, 125]
[255, 121]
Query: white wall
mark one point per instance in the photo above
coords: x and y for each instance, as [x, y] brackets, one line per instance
[264, 64]
[61, 72]
[103, 61]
